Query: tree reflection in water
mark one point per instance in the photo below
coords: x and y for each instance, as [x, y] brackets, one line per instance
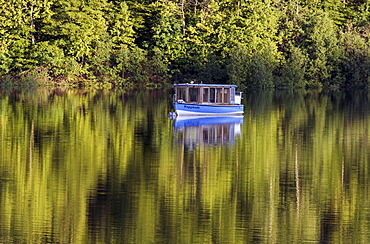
[109, 166]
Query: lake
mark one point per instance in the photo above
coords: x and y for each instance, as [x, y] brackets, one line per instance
[99, 166]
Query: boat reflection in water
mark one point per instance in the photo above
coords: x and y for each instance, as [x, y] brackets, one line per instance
[193, 131]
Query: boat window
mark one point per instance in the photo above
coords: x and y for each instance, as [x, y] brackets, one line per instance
[212, 95]
[181, 93]
[193, 95]
[219, 95]
[205, 95]
[226, 95]
[232, 95]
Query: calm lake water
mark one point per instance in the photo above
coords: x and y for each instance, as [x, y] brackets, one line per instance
[88, 166]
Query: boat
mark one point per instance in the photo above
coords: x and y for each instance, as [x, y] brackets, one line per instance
[207, 100]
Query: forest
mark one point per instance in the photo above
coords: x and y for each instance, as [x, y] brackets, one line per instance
[254, 44]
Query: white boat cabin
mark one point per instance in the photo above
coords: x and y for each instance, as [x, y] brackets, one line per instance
[206, 94]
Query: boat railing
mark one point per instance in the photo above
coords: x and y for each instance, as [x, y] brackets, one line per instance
[238, 97]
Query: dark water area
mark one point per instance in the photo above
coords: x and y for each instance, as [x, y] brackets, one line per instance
[98, 166]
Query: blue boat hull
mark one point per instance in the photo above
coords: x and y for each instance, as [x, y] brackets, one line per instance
[208, 110]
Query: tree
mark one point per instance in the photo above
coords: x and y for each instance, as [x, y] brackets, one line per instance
[18, 32]
[120, 24]
[168, 38]
[293, 71]
[321, 43]
[129, 64]
[76, 25]
[252, 23]
[238, 67]
[356, 63]
[252, 70]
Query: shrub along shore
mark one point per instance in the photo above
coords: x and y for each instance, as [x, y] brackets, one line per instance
[254, 44]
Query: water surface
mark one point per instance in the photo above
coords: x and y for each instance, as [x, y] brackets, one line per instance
[90, 166]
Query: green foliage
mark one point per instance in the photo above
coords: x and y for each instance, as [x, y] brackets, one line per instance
[120, 24]
[159, 70]
[99, 61]
[356, 63]
[48, 54]
[238, 67]
[17, 30]
[167, 33]
[253, 24]
[252, 70]
[5, 62]
[293, 70]
[129, 64]
[77, 24]
[214, 70]
[182, 40]
[261, 70]
[323, 50]
[336, 11]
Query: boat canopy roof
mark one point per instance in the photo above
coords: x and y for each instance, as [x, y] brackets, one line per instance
[205, 85]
